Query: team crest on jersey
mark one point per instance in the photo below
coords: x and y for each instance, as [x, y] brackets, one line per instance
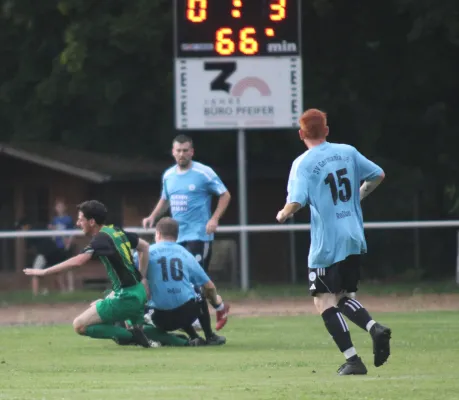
[312, 276]
[192, 187]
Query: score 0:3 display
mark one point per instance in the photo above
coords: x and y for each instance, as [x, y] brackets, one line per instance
[238, 28]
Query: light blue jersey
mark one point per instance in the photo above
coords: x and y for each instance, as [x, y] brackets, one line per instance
[190, 196]
[172, 272]
[328, 178]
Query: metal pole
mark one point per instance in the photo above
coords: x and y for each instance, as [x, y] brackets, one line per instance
[242, 191]
[457, 259]
[417, 240]
[293, 274]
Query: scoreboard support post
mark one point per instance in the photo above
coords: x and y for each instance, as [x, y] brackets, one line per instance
[243, 220]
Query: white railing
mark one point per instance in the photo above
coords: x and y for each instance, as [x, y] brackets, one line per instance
[258, 229]
[244, 228]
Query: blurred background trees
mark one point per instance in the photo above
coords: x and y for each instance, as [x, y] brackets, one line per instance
[99, 75]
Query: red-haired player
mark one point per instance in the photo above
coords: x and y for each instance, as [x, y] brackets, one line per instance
[327, 177]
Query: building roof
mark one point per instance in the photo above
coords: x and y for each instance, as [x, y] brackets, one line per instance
[91, 166]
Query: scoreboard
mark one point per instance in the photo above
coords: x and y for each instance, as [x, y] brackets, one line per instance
[237, 63]
[237, 28]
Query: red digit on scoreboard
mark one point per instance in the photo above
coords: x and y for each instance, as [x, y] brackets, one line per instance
[224, 45]
[279, 10]
[248, 44]
[196, 10]
[237, 28]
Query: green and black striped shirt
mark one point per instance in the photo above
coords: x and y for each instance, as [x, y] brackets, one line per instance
[113, 247]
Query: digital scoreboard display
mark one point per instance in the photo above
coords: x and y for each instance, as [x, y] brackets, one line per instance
[237, 28]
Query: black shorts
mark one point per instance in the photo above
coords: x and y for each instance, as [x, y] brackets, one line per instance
[202, 251]
[344, 276]
[178, 318]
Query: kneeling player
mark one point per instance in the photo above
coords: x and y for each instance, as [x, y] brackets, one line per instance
[156, 336]
[112, 247]
[172, 274]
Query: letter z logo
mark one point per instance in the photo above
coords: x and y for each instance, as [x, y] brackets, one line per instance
[226, 70]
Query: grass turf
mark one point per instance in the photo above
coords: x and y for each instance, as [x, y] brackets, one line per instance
[258, 292]
[265, 358]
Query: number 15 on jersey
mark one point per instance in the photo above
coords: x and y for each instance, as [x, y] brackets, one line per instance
[340, 186]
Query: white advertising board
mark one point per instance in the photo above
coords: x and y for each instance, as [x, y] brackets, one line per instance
[238, 93]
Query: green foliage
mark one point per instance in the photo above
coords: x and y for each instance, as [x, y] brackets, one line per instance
[99, 75]
[88, 74]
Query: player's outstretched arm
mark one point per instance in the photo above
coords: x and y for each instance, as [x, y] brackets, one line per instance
[222, 205]
[369, 172]
[159, 210]
[297, 189]
[143, 251]
[210, 291]
[368, 186]
[199, 278]
[287, 212]
[76, 261]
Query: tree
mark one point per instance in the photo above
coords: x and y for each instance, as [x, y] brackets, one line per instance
[101, 77]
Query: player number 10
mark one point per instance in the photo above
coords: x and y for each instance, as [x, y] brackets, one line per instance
[226, 46]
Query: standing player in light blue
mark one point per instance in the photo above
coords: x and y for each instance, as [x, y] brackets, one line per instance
[327, 177]
[188, 188]
[172, 275]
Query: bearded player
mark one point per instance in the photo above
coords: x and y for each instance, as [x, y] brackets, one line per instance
[188, 188]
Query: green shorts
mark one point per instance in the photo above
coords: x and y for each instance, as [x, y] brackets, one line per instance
[127, 303]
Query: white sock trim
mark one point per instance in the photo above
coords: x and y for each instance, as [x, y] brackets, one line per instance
[350, 353]
[370, 325]
[221, 307]
[351, 305]
[343, 322]
[355, 303]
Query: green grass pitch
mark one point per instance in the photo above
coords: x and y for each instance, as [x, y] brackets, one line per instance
[265, 358]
